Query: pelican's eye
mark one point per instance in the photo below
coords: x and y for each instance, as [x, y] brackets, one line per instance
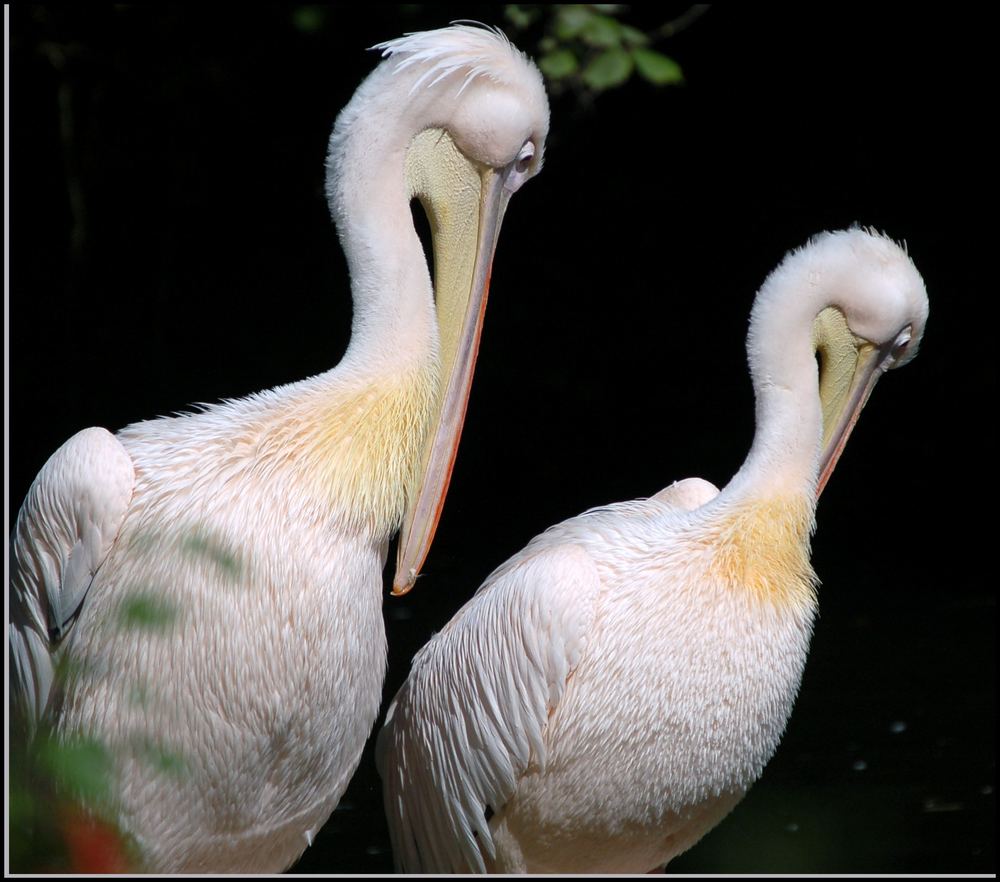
[901, 344]
[524, 158]
[520, 169]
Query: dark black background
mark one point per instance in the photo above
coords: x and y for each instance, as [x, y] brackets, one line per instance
[170, 244]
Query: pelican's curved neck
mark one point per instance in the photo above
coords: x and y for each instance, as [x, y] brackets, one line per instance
[784, 457]
[393, 322]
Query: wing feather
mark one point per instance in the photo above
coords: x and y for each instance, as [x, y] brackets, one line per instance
[471, 717]
[64, 531]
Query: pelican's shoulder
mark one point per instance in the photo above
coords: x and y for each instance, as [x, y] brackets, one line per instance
[634, 523]
[687, 495]
[325, 433]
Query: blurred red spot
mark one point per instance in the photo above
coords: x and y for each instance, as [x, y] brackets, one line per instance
[94, 846]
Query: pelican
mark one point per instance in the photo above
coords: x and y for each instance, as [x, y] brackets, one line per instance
[215, 577]
[613, 689]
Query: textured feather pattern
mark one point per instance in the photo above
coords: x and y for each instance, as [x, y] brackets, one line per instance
[580, 696]
[261, 671]
[473, 51]
[474, 728]
[679, 702]
[64, 530]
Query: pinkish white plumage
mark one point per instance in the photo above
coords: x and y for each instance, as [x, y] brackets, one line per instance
[458, 49]
[612, 690]
[215, 577]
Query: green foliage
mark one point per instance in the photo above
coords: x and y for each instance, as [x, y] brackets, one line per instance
[611, 68]
[48, 775]
[570, 20]
[166, 762]
[147, 611]
[60, 783]
[589, 49]
[197, 544]
[521, 16]
[54, 780]
[657, 68]
[194, 544]
[81, 767]
[558, 64]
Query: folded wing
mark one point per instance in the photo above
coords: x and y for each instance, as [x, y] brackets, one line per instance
[472, 715]
[64, 531]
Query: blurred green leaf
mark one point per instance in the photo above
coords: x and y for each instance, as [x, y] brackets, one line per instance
[602, 32]
[34, 838]
[558, 64]
[657, 68]
[82, 766]
[611, 68]
[571, 19]
[197, 544]
[21, 802]
[143, 609]
[163, 760]
[520, 16]
[633, 36]
[169, 763]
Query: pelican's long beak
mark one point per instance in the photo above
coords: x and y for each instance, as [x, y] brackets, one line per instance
[465, 203]
[849, 369]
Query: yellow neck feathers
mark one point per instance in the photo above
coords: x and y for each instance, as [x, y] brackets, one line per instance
[357, 446]
[762, 547]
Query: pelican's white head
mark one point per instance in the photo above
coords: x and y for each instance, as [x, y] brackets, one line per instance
[489, 95]
[839, 312]
[468, 81]
[864, 275]
[456, 118]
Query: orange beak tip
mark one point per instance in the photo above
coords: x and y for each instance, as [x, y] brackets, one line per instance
[401, 588]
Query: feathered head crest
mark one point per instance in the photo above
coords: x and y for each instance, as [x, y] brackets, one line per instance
[472, 48]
